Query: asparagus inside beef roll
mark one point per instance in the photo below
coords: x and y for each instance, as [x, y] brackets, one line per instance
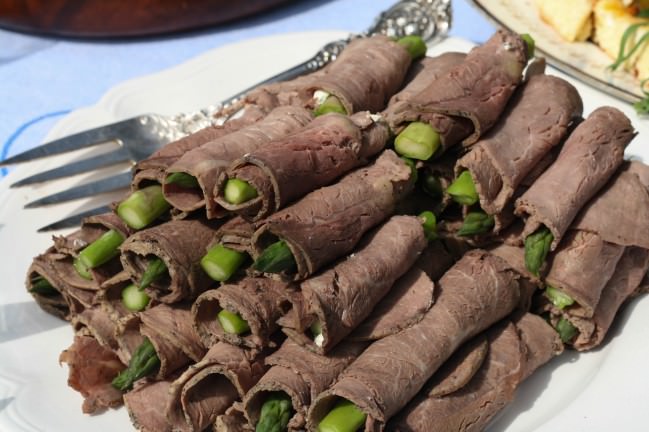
[289, 168]
[230, 248]
[477, 291]
[190, 180]
[341, 214]
[590, 156]
[165, 260]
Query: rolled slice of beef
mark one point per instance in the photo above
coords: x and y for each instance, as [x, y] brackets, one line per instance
[619, 213]
[55, 303]
[259, 301]
[98, 323]
[366, 74]
[342, 296]
[180, 244]
[233, 420]
[588, 159]
[208, 161]
[92, 367]
[572, 268]
[302, 375]
[153, 169]
[464, 103]
[207, 389]
[171, 333]
[287, 169]
[342, 213]
[476, 292]
[146, 405]
[536, 120]
[515, 257]
[515, 350]
[629, 273]
[423, 72]
[110, 296]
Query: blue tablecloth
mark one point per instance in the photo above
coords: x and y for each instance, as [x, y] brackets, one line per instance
[42, 78]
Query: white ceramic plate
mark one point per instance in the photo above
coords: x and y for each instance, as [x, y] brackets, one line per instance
[583, 60]
[598, 391]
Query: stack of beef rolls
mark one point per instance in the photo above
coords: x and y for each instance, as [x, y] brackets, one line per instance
[390, 243]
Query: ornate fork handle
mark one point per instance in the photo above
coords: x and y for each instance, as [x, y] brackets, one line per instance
[430, 19]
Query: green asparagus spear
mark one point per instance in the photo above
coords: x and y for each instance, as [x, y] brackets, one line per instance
[232, 322]
[429, 222]
[182, 180]
[98, 252]
[276, 258]
[415, 46]
[531, 44]
[537, 246]
[566, 330]
[417, 141]
[144, 362]
[327, 103]
[462, 190]
[40, 285]
[558, 298]
[431, 185]
[142, 207]
[238, 191]
[476, 222]
[134, 298]
[220, 262]
[275, 413]
[344, 417]
[155, 269]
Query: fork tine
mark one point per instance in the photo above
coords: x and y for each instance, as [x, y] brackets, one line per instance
[74, 220]
[85, 165]
[108, 184]
[76, 141]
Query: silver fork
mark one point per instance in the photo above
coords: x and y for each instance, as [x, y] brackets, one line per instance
[140, 136]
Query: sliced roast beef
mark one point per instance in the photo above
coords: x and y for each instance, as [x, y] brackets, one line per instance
[98, 323]
[235, 234]
[468, 100]
[207, 389]
[588, 159]
[180, 244]
[515, 351]
[153, 169]
[52, 301]
[341, 297]
[536, 120]
[287, 169]
[302, 375]
[329, 222]
[477, 291]
[92, 369]
[208, 161]
[423, 72]
[366, 74]
[259, 301]
[146, 406]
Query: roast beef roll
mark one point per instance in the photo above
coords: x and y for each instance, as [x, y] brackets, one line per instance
[260, 302]
[146, 405]
[153, 169]
[205, 163]
[47, 287]
[289, 168]
[477, 291]
[341, 214]
[98, 323]
[300, 375]
[464, 103]
[174, 250]
[588, 159]
[423, 72]
[340, 298]
[235, 234]
[514, 351]
[208, 388]
[536, 120]
[92, 367]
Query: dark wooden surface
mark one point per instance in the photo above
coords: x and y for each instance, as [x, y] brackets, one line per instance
[122, 18]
